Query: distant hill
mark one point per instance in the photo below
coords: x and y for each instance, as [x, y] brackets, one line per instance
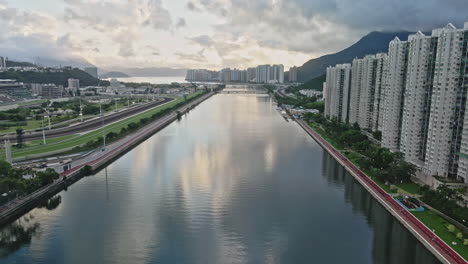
[153, 72]
[313, 84]
[372, 43]
[58, 78]
[10, 63]
[114, 74]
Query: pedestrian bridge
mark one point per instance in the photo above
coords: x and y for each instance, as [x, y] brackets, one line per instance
[244, 91]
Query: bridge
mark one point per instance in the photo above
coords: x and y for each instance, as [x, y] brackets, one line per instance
[243, 91]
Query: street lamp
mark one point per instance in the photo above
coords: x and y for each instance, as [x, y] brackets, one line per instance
[102, 124]
[81, 110]
[48, 112]
[43, 130]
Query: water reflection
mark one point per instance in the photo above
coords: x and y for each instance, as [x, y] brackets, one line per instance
[231, 182]
[52, 203]
[392, 243]
[17, 235]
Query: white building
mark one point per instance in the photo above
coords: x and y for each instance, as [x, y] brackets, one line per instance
[444, 142]
[380, 75]
[394, 87]
[251, 74]
[263, 74]
[278, 74]
[73, 85]
[417, 96]
[338, 81]
[370, 90]
[354, 99]
[2, 62]
[293, 74]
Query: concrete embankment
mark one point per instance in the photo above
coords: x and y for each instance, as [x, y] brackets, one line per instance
[432, 242]
[18, 208]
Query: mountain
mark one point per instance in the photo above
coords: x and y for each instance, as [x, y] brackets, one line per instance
[10, 63]
[58, 78]
[372, 43]
[57, 62]
[113, 74]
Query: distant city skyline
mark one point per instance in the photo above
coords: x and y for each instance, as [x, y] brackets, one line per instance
[209, 34]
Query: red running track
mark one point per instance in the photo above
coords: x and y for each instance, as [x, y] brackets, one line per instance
[444, 251]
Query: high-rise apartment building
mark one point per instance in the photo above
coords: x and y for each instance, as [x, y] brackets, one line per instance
[2, 62]
[251, 74]
[263, 73]
[370, 90]
[277, 75]
[422, 52]
[380, 75]
[416, 95]
[354, 99]
[395, 79]
[225, 75]
[293, 74]
[445, 147]
[338, 82]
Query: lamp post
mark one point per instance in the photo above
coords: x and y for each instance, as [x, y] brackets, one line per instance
[81, 110]
[48, 112]
[43, 130]
[102, 124]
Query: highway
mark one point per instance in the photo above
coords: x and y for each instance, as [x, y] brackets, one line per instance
[92, 123]
[436, 245]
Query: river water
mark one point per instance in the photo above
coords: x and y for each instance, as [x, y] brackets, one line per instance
[231, 182]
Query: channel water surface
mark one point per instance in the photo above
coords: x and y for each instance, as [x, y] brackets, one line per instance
[231, 182]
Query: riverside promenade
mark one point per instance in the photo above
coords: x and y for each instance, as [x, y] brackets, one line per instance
[96, 160]
[431, 241]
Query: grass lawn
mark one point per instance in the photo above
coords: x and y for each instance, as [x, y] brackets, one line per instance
[412, 188]
[30, 125]
[83, 139]
[38, 142]
[437, 223]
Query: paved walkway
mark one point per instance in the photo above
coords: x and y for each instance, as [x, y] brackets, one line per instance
[432, 242]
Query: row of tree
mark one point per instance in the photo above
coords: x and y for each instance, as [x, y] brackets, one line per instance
[447, 200]
[373, 159]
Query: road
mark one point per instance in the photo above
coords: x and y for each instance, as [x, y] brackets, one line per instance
[436, 245]
[91, 124]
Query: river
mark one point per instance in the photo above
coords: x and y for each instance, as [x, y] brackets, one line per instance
[231, 182]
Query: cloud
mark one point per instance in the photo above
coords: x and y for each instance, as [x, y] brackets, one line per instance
[192, 7]
[224, 33]
[180, 22]
[159, 17]
[203, 40]
[323, 26]
[199, 57]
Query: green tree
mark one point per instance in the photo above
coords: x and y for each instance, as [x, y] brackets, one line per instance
[4, 168]
[48, 176]
[19, 137]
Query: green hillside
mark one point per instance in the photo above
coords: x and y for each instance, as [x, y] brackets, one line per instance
[58, 78]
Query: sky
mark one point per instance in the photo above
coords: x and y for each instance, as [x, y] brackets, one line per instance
[209, 34]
